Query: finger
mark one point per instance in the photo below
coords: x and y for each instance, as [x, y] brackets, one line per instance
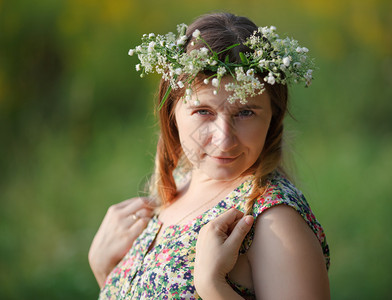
[232, 225]
[239, 232]
[134, 206]
[144, 212]
[138, 228]
[131, 219]
[226, 220]
[121, 209]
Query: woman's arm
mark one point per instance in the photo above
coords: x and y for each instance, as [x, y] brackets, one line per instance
[217, 252]
[122, 224]
[286, 258]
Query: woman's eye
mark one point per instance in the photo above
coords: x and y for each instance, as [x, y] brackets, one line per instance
[203, 112]
[245, 113]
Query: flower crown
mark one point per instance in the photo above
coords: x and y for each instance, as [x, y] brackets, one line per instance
[283, 61]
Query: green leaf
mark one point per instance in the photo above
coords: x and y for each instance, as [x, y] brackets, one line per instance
[165, 97]
[227, 59]
[244, 59]
[228, 48]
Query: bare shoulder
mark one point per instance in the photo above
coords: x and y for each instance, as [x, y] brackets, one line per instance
[286, 257]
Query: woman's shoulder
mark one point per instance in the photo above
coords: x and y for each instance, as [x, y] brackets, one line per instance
[280, 191]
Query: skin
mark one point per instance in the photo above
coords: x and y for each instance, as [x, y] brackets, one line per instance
[223, 141]
[220, 139]
[222, 237]
[116, 235]
[286, 258]
[208, 132]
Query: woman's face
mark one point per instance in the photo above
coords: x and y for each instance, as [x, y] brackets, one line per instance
[222, 140]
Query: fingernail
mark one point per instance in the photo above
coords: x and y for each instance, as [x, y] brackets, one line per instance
[248, 220]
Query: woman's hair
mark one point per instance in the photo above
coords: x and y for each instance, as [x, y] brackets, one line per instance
[219, 30]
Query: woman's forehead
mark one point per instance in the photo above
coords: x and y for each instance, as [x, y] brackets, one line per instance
[205, 97]
[212, 95]
[223, 104]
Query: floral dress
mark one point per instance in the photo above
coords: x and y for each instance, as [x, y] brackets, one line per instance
[166, 270]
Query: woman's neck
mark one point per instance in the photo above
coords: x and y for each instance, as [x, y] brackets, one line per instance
[199, 181]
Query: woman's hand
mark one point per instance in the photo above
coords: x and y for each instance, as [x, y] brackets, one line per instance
[122, 224]
[217, 252]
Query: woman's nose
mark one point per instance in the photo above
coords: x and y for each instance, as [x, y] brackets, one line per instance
[224, 135]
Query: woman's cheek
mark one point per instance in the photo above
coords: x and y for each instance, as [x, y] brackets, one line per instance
[190, 147]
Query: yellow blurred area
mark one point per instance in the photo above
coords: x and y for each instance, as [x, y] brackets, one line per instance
[323, 8]
[363, 20]
[366, 25]
[77, 15]
[330, 44]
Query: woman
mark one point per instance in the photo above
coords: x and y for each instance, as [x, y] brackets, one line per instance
[225, 222]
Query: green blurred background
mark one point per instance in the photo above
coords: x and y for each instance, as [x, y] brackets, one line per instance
[78, 132]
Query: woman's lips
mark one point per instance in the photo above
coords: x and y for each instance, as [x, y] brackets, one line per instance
[224, 159]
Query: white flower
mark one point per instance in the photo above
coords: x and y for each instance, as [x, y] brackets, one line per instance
[187, 98]
[215, 82]
[302, 50]
[286, 61]
[221, 71]
[151, 46]
[308, 76]
[250, 72]
[204, 51]
[215, 92]
[181, 41]
[265, 30]
[196, 33]
[196, 102]
[270, 78]
[263, 63]
[296, 65]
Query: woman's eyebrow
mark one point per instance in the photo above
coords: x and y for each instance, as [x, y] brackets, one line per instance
[233, 106]
[250, 106]
[192, 106]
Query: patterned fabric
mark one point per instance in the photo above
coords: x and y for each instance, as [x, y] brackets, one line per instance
[166, 271]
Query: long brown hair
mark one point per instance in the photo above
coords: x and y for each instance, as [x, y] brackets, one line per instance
[219, 30]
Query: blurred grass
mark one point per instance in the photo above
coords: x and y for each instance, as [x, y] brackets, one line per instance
[77, 132]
